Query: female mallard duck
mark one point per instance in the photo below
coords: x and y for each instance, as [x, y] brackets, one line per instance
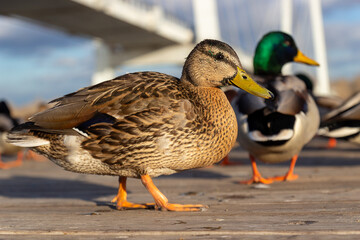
[275, 131]
[145, 124]
[343, 122]
[7, 122]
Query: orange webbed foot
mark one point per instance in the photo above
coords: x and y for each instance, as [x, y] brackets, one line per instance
[161, 202]
[181, 207]
[287, 177]
[123, 204]
[121, 198]
[257, 179]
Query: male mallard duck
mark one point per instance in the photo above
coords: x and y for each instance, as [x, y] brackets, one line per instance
[145, 124]
[275, 131]
[7, 122]
[343, 122]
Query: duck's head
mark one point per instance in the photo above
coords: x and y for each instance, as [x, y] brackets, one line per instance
[274, 50]
[213, 63]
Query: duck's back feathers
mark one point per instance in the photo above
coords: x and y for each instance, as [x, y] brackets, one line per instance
[129, 93]
[349, 110]
[123, 121]
[344, 121]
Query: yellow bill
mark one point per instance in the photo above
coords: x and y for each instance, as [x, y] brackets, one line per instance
[244, 81]
[301, 58]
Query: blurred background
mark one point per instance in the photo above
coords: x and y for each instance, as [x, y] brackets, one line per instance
[50, 48]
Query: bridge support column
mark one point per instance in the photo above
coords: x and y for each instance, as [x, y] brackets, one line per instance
[104, 67]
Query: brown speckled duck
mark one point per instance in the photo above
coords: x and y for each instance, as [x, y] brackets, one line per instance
[145, 124]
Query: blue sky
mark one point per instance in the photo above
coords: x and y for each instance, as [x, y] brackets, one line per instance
[41, 63]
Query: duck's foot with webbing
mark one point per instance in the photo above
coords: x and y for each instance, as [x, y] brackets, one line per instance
[256, 178]
[161, 202]
[289, 176]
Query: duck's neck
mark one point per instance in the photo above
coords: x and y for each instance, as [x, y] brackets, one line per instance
[203, 95]
[215, 112]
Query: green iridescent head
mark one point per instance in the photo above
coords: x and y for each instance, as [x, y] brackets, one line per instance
[274, 50]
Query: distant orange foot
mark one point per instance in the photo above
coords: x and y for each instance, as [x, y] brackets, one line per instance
[32, 155]
[12, 164]
[331, 143]
[226, 162]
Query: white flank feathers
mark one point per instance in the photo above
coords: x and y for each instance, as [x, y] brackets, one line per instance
[284, 135]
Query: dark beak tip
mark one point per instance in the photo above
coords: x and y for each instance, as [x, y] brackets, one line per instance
[272, 96]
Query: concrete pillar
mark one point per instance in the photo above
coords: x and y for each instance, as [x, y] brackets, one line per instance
[206, 20]
[322, 86]
[286, 26]
[104, 67]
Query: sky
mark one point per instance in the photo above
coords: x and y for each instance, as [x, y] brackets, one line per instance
[40, 63]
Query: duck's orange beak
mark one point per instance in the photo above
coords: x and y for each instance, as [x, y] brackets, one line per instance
[301, 58]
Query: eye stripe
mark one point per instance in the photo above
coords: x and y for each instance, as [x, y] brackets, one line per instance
[225, 60]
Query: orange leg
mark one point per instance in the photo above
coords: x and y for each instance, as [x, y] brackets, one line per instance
[161, 202]
[256, 178]
[331, 143]
[289, 176]
[32, 155]
[227, 162]
[12, 164]
[121, 197]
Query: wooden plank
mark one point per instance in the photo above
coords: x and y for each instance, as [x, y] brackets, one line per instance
[41, 199]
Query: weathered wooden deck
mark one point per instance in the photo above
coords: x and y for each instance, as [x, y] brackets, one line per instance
[40, 200]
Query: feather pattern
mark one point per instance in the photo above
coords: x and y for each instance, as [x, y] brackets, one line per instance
[343, 121]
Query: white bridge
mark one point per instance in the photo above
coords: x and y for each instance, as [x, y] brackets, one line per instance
[134, 32]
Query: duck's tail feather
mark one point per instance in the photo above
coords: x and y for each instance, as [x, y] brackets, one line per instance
[23, 136]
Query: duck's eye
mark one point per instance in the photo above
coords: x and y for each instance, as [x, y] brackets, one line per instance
[286, 43]
[219, 56]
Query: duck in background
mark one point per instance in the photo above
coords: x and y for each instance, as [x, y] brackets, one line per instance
[275, 131]
[7, 122]
[325, 103]
[145, 124]
[343, 122]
